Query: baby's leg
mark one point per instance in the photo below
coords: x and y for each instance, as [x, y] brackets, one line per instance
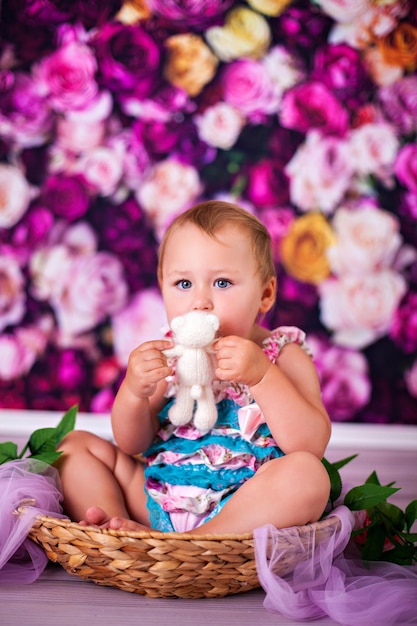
[289, 491]
[101, 484]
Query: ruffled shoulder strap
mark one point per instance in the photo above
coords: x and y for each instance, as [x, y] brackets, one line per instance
[282, 336]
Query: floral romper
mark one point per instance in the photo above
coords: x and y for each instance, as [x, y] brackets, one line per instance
[190, 475]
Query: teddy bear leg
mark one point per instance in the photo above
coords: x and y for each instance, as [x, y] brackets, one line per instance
[205, 415]
[181, 411]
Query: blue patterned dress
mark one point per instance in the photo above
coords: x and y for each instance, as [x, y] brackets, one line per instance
[190, 475]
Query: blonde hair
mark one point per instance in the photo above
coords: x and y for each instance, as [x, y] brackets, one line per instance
[210, 217]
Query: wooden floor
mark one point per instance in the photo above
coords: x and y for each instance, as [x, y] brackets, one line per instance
[58, 599]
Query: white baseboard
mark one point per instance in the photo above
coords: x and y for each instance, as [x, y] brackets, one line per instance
[14, 423]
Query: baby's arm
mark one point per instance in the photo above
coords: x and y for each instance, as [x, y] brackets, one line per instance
[288, 393]
[140, 397]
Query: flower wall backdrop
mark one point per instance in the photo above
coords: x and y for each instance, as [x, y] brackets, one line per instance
[114, 117]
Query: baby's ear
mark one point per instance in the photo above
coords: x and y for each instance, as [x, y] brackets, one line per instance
[214, 321]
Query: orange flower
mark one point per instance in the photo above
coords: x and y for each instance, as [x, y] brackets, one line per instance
[133, 11]
[190, 63]
[400, 47]
[303, 249]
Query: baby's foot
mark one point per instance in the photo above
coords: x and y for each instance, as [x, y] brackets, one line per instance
[95, 516]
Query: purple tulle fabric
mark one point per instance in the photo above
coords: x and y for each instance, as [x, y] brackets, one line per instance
[34, 487]
[332, 580]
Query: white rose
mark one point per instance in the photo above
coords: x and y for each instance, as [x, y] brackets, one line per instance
[374, 149]
[169, 189]
[102, 168]
[367, 239]
[15, 195]
[359, 309]
[220, 125]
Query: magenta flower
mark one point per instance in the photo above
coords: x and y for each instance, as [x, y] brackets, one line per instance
[341, 70]
[193, 13]
[313, 106]
[128, 60]
[267, 184]
[403, 329]
[406, 167]
[66, 196]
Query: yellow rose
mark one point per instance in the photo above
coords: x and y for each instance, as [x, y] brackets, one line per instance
[269, 7]
[303, 249]
[133, 11]
[190, 63]
[244, 34]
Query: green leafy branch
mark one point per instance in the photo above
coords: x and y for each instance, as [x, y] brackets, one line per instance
[42, 444]
[386, 535]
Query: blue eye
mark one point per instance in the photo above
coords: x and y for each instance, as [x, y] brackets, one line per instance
[184, 284]
[222, 283]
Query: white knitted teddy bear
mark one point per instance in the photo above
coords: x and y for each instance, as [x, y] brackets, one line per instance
[194, 333]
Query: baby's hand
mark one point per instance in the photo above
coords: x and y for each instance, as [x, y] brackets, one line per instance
[240, 360]
[146, 367]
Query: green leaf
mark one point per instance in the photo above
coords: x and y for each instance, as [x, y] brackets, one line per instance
[392, 516]
[367, 495]
[339, 464]
[372, 479]
[8, 451]
[402, 555]
[47, 457]
[66, 425]
[410, 514]
[374, 544]
[42, 440]
[335, 480]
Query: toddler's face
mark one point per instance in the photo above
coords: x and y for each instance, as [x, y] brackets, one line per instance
[214, 275]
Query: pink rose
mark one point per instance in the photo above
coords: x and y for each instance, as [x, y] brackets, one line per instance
[367, 240]
[344, 378]
[95, 289]
[15, 195]
[19, 350]
[82, 130]
[268, 185]
[12, 295]
[411, 379]
[141, 320]
[68, 76]
[360, 309]
[248, 86]
[320, 173]
[101, 169]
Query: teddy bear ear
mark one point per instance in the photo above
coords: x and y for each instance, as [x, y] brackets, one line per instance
[214, 321]
[177, 322]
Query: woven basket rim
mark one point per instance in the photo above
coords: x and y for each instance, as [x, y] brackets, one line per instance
[329, 520]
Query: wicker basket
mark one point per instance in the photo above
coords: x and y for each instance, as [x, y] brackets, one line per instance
[161, 565]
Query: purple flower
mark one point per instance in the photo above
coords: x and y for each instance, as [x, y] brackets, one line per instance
[267, 184]
[399, 104]
[25, 116]
[65, 196]
[403, 329]
[128, 60]
[312, 106]
[344, 378]
[158, 137]
[195, 13]
[341, 69]
[406, 167]
[125, 231]
[31, 232]
[40, 12]
[302, 27]
[94, 13]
